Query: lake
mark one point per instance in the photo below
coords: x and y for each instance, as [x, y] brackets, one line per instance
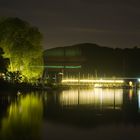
[85, 114]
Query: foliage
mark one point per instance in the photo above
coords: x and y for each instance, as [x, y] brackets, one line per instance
[14, 77]
[22, 45]
[3, 62]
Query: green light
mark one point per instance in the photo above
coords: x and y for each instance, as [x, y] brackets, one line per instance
[72, 67]
[55, 67]
[59, 67]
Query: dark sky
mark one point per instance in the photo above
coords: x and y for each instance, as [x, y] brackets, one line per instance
[114, 23]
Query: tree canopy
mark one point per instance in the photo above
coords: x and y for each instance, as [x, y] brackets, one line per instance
[3, 62]
[22, 44]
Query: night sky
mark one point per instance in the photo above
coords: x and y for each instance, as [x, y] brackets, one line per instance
[114, 23]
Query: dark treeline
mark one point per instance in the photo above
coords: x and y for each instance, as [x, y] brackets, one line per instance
[104, 61]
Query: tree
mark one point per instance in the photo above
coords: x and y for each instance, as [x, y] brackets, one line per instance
[3, 63]
[22, 44]
[14, 77]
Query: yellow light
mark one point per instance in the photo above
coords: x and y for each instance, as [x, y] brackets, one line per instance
[97, 85]
[69, 80]
[25, 114]
[130, 83]
[92, 81]
[104, 98]
[130, 94]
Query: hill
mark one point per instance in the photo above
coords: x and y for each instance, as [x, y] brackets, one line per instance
[100, 60]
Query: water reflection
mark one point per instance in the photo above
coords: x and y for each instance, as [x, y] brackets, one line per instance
[23, 119]
[99, 98]
[139, 99]
[75, 107]
[93, 107]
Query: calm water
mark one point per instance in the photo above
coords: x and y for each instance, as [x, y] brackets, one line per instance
[84, 114]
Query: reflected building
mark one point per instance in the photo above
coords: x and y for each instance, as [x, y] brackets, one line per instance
[98, 98]
[93, 106]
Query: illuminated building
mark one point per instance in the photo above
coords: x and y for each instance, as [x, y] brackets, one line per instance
[59, 61]
[88, 62]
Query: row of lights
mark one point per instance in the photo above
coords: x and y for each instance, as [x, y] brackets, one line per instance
[91, 81]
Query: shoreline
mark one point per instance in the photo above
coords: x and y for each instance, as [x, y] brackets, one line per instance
[25, 87]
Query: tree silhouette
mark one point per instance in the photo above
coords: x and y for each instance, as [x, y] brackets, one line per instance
[3, 63]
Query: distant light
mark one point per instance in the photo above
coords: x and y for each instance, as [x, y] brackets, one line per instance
[69, 80]
[98, 85]
[139, 80]
[130, 83]
[92, 81]
[60, 73]
[18, 93]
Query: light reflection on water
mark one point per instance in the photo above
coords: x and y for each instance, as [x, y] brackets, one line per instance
[23, 119]
[139, 99]
[100, 98]
[23, 115]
